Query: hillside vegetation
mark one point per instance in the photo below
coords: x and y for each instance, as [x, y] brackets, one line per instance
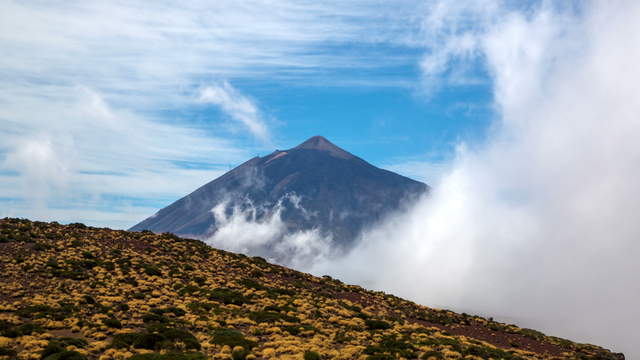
[71, 292]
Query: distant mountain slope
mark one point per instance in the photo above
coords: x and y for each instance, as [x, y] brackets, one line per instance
[78, 293]
[315, 185]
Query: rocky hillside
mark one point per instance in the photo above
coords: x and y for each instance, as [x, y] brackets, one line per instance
[73, 292]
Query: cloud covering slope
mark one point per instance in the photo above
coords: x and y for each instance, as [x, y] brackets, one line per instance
[540, 224]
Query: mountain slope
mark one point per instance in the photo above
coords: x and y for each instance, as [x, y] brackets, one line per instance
[315, 185]
[74, 292]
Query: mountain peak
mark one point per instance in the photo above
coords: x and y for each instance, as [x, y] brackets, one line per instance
[321, 143]
[313, 186]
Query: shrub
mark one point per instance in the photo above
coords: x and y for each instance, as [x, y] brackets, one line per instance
[239, 354]
[170, 336]
[112, 323]
[487, 352]
[354, 308]
[9, 330]
[56, 349]
[377, 324]
[169, 356]
[200, 307]
[532, 334]
[131, 281]
[295, 330]
[66, 355]
[170, 236]
[393, 346]
[41, 246]
[271, 316]
[29, 328]
[311, 355]
[275, 292]
[341, 337]
[430, 355]
[150, 356]
[276, 308]
[227, 296]
[75, 273]
[122, 341]
[5, 351]
[52, 262]
[152, 317]
[5, 325]
[252, 284]
[109, 266]
[151, 270]
[79, 343]
[148, 341]
[259, 260]
[435, 317]
[44, 311]
[232, 338]
[190, 290]
[157, 337]
[450, 342]
[174, 310]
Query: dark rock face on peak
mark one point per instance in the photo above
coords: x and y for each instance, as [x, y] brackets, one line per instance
[315, 185]
[321, 144]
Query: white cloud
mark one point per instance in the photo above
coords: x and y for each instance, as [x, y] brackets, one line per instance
[538, 226]
[42, 164]
[261, 231]
[237, 106]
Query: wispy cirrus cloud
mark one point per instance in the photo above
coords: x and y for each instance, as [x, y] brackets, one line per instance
[164, 49]
[237, 106]
[88, 153]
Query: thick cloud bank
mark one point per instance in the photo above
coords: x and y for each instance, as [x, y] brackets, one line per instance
[541, 224]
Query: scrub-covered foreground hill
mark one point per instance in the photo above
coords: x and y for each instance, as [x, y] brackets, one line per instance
[73, 292]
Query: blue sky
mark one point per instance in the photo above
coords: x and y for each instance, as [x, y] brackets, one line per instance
[113, 110]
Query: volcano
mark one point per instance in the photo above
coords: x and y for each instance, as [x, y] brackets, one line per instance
[315, 185]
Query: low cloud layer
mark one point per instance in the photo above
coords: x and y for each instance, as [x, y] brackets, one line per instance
[261, 231]
[538, 226]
